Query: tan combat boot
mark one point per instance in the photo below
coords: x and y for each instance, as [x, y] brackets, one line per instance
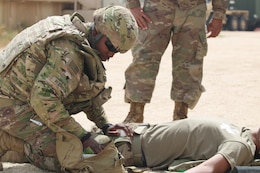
[180, 111]
[136, 114]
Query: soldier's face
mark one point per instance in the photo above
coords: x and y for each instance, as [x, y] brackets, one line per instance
[105, 48]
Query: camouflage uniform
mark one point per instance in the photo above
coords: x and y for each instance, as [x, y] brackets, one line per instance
[183, 23]
[49, 71]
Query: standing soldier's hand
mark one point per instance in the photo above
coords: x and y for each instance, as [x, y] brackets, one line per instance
[116, 130]
[141, 18]
[214, 27]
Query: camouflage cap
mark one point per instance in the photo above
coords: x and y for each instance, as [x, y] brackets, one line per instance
[118, 24]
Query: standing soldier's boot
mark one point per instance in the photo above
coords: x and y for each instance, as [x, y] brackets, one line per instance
[180, 111]
[136, 114]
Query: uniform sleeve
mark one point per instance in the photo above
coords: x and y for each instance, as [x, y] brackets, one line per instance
[219, 8]
[97, 115]
[57, 79]
[237, 153]
[132, 3]
[93, 112]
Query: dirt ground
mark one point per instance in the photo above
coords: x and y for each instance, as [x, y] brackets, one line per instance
[231, 78]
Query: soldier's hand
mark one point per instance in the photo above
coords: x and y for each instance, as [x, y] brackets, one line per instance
[94, 145]
[141, 18]
[120, 130]
[214, 27]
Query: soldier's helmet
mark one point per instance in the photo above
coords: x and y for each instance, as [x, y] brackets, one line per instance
[118, 25]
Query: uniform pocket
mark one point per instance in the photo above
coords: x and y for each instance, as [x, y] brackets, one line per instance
[202, 46]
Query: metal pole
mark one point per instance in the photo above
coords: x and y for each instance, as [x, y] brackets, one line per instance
[75, 5]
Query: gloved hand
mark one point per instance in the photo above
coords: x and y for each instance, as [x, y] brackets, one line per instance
[214, 27]
[92, 144]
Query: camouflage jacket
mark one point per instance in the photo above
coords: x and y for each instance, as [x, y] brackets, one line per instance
[52, 67]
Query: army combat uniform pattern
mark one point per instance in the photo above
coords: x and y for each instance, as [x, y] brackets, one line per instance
[183, 23]
[49, 72]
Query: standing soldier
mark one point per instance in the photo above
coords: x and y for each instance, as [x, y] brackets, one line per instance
[52, 70]
[183, 23]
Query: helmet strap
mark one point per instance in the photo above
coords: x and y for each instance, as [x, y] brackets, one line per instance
[94, 37]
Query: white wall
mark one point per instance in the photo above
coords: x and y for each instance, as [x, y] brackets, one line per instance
[112, 2]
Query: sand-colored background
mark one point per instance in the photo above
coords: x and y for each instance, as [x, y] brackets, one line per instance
[231, 78]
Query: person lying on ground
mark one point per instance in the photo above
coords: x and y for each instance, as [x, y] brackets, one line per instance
[221, 145]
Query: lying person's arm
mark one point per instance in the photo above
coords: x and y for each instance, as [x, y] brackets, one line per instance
[216, 164]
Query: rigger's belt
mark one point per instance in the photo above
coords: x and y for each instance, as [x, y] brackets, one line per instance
[137, 145]
[190, 3]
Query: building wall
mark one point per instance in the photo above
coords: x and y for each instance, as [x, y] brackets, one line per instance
[16, 14]
[91, 6]
[1, 14]
[22, 13]
[113, 2]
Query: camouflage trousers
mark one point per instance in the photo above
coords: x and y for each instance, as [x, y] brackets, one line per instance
[185, 28]
[22, 131]
[27, 138]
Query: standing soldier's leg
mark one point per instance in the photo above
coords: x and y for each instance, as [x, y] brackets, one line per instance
[147, 52]
[190, 47]
[136, 113]
[180, 110]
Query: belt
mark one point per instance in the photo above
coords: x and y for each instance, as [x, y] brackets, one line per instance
[138, 156]
[191, 3]
[137, 151]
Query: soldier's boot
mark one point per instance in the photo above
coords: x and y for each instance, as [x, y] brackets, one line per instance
[136, 114]
[180, 111]
[14, 157]
[11, 149]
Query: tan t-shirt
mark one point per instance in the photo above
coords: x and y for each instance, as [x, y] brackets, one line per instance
[196, 139]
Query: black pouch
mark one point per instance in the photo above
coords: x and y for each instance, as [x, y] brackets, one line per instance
[246, 169]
